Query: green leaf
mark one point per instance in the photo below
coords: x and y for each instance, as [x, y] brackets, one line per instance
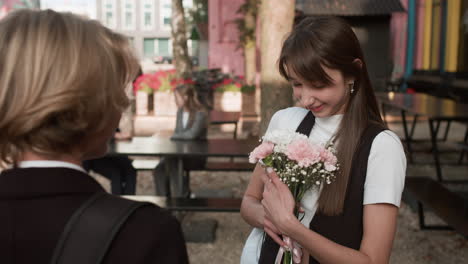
[268, 161]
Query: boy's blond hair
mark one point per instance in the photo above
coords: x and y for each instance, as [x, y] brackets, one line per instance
[60, 76]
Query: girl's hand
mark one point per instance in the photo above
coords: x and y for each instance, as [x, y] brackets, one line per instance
[278, 204]
[272, 231]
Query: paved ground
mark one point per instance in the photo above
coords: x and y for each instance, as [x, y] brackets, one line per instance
[411, 245]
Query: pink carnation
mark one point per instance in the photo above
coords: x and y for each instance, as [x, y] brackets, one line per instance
[329, 159]
[303, 152]
[261, 152]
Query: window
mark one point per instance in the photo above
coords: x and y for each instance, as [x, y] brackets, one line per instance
[109, 13]
[147, 19]
[109, 18]
[165, 15]
[157, 47]
[128, 14]
[131, 40]
[128, 19]
[163, 47]
[149, 47]
[166, 12]
[147, 14]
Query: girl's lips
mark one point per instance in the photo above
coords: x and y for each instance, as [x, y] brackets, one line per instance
[316, 109]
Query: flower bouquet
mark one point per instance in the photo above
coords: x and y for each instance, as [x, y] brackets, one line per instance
[299, 163]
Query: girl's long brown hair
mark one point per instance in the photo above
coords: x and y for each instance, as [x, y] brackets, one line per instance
[330, 42]
[193, 102]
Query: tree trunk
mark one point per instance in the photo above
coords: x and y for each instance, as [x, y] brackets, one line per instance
[276, 17]
[182, 61]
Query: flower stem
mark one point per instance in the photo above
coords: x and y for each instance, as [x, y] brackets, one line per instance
[287, 258]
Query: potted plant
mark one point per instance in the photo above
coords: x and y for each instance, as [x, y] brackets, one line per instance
[143, 88]
[164, 102]
[248, 99]
[227, 94]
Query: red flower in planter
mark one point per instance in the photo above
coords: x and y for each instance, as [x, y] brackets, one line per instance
[146, 83]
[189, 81]
[158, 81]
[179, 81]
[229, 84]
[227, 81]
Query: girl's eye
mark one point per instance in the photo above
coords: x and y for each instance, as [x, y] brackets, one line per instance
[319, 86]
[296, 84]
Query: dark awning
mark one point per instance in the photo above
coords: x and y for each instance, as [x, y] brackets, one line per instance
[352, 7]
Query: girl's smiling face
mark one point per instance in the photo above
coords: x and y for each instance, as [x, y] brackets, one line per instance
[323, 100]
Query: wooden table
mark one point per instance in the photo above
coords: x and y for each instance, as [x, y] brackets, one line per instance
[164, 147]
[221, 117]
[436, 110]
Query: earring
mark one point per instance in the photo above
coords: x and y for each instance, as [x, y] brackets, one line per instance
[351, 87]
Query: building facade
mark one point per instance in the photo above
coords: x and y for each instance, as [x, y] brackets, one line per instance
[371, 22]
[225, 53]
[147, 23]
[438, 30]
[9, 5]
[433, 42]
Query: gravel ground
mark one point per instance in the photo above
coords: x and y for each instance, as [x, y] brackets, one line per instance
[411, 245]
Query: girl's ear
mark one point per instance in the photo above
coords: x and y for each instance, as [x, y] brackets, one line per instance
[358, 62]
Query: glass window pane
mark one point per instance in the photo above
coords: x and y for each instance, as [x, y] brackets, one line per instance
[163, 47]
[148, 47]
[147, 19]
[108, 18]
[128, 19]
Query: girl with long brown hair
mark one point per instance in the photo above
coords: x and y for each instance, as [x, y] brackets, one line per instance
[191, 124]
[352, 220]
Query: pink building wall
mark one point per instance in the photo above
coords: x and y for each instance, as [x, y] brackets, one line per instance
[398, 31]
[224, 50]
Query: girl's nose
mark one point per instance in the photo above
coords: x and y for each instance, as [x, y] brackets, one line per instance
[307, 98]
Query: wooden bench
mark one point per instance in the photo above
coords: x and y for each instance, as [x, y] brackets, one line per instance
[191, 204]
[228, 166]
[204, 204]
[199, 204]
[209, 166]
[449, 206]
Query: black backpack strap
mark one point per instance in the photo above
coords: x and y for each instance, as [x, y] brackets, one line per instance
[91, 229]
[306, 124]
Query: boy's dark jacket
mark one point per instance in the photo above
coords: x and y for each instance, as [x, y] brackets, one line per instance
[36, 203]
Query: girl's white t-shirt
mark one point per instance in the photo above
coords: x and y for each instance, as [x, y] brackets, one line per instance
[185, 118]
[386, 169]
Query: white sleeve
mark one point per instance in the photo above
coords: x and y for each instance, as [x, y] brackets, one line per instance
[287, 119]
[386, 170]
[274, 122]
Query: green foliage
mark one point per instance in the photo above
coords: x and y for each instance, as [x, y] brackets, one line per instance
[250, 7]
[247, 88]
[198, 13]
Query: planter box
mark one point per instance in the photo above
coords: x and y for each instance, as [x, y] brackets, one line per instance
[164, 104]
[248, 103]
[144, 103]
[228, 101]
